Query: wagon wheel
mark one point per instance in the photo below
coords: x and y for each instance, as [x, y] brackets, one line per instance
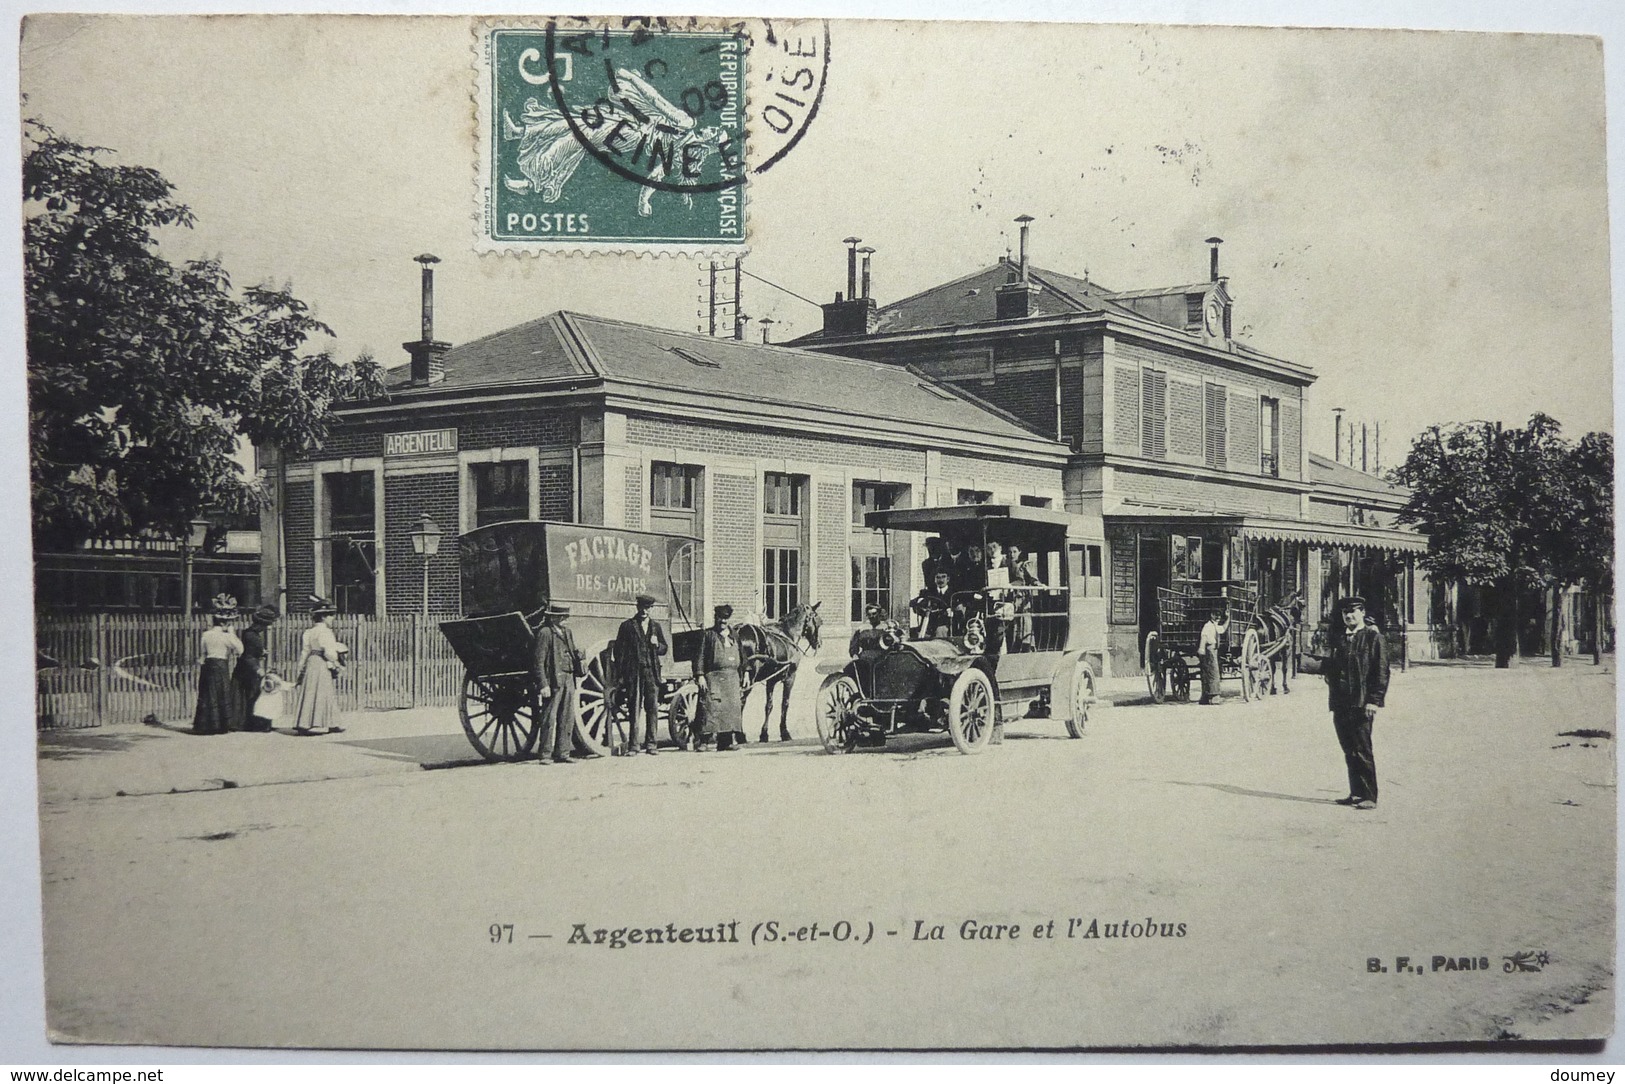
[837, 721]
[499, 716]
[1156, 677]
[1179, 678]
[681, 713]
[1083, 693]
[593, 694]
[1250, 656]
[972, 711]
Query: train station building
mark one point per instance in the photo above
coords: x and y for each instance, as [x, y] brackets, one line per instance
[1178, 446]
[770, 455]
[1185, 441]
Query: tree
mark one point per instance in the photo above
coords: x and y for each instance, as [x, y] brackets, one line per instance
[144, 374]
[1513, 510]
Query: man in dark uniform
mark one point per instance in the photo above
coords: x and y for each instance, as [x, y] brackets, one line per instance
[868, 639]
[557, 666]
[639, 645]
[1357, 681]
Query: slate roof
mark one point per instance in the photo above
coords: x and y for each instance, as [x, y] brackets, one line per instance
[971, 299]
[1329, 472]
[649, 362]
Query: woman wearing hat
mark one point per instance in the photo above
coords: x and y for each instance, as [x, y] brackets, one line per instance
[214, 694]
[719, 670]
[318, 702]
[246, 679]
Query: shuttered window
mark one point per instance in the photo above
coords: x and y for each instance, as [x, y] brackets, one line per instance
[1269, 436]
[1153, 414]
[1217, 421]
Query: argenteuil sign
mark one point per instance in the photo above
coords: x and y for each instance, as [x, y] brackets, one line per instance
[420, 442]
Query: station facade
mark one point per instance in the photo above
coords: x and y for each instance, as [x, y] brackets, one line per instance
[1187, 443]
[770, 455]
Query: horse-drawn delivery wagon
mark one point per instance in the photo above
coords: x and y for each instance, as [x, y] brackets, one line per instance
[510, 572]
[1255, 639]
[998, 643]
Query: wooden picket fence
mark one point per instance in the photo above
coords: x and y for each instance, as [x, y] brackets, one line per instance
[121, 668]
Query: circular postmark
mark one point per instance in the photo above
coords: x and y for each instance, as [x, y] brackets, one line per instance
[683, 106]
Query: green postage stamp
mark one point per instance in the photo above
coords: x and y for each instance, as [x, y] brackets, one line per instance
[595, 138]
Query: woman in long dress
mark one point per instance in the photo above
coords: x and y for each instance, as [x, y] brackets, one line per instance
[247, 679]
[719, 669]
[214, 694]
[319, 664]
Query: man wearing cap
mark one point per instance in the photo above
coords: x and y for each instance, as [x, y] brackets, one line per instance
[1357, 681]
[558, 665]
[868, 639]
[931, 608]
[719, 671]
[639, 645]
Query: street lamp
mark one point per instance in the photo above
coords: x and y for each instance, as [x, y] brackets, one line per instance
[426, 543]
[197, 532]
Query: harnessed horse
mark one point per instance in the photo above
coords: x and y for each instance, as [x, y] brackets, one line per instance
[1281, 623]
[772, 653]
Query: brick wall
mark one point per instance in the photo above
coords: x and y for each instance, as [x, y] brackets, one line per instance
[736, 560]
[1185, 409]
[555, 494]
[834, 514]
[405, 499]
[1243, 433]
[1291, 440]
[1030, 396]
[299, 527]
[1126, 404]
[536, 427]
[1184, 419]
[1238, 497]
[1010, 478]
[633, 509]
[750, 443]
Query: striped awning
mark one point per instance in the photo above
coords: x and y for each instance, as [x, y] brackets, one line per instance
[1333, 535]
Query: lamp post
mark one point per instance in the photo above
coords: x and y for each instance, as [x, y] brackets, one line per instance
[426, 543]
[197, 531]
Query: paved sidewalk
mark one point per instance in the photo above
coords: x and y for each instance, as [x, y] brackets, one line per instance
[132, 759]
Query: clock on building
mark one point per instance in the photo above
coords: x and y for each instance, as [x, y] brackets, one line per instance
[1212, 317]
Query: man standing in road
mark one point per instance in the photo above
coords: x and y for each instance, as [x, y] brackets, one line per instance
[640, 643]
[1357, 681]
[1207, 653]
[558, 664]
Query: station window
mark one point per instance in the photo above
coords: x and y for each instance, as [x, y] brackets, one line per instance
[352, 541]
[501, 491]
[1216, 425]
[1037, 502]
[871, 583]
[1153, 414]
[781, 580]
[872, 497]
[973, 496]
[673, 485]
[781, 494]
[1269, 436]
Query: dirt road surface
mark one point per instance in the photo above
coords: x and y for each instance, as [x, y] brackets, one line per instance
[375, 910]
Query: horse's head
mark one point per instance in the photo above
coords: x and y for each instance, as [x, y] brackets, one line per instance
[803, 623]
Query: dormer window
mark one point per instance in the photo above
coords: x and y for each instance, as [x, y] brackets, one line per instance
[1193, 309]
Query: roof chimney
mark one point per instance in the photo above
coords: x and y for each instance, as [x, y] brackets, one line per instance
[427, 352]
[1024, 220]
[1213, 259]
[853, 314]
[1014, 300]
